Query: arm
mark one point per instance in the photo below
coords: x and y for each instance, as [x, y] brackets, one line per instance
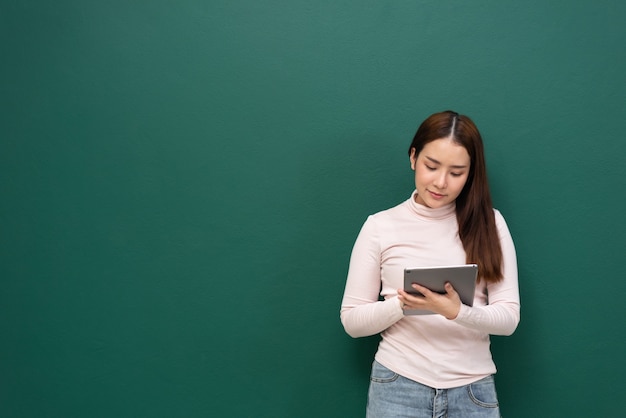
[362, 314]
[502, 314]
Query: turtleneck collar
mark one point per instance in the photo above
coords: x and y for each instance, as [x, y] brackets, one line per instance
[426, 212]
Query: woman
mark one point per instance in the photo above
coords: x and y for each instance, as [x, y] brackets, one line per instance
[440, 364]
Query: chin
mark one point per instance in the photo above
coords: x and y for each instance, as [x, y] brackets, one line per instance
[435, 204]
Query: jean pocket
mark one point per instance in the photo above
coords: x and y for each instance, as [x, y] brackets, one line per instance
[381, 374]
[483, 393]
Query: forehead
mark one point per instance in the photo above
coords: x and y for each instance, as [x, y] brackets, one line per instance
[446, 151]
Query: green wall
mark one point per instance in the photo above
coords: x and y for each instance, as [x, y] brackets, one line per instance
[181, 184]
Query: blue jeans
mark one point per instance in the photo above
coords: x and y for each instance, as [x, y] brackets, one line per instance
[391, 395]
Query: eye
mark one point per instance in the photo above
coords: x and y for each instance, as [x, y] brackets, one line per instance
[456, 174]
[430, 168]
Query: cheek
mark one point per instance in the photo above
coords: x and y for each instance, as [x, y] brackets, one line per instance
[459, 184]
[421, 175]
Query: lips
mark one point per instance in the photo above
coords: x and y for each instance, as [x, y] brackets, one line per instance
[436, 196]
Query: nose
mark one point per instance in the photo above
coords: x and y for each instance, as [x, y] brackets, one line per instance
[440, 181]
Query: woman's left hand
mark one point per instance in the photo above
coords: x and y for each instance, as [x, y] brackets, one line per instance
[447, 304]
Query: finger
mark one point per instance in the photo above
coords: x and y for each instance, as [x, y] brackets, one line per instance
[449, 288]
[407, 297]
[423, 290]
[402, 297]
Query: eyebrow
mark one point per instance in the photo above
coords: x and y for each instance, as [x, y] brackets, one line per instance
[437, 162]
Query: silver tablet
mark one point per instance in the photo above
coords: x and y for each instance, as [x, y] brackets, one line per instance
[462, 278]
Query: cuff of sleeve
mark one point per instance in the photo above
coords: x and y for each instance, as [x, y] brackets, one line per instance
[463, 314]
[395, 300]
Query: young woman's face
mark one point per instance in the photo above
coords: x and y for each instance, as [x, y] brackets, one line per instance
[441, 170]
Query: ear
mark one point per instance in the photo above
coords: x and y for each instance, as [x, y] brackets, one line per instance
[413, 159]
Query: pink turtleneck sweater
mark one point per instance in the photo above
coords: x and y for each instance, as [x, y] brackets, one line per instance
[429, 349]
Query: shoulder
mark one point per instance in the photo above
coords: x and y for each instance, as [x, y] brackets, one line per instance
[501, 224]
[498, 215]
[390, 214]
[384, 219]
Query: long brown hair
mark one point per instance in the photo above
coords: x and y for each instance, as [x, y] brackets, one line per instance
[474, 209]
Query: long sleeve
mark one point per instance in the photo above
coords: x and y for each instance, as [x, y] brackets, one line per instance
[502, 313]
[362, 314]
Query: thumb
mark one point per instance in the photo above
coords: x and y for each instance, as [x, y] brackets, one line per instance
[449, 288]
